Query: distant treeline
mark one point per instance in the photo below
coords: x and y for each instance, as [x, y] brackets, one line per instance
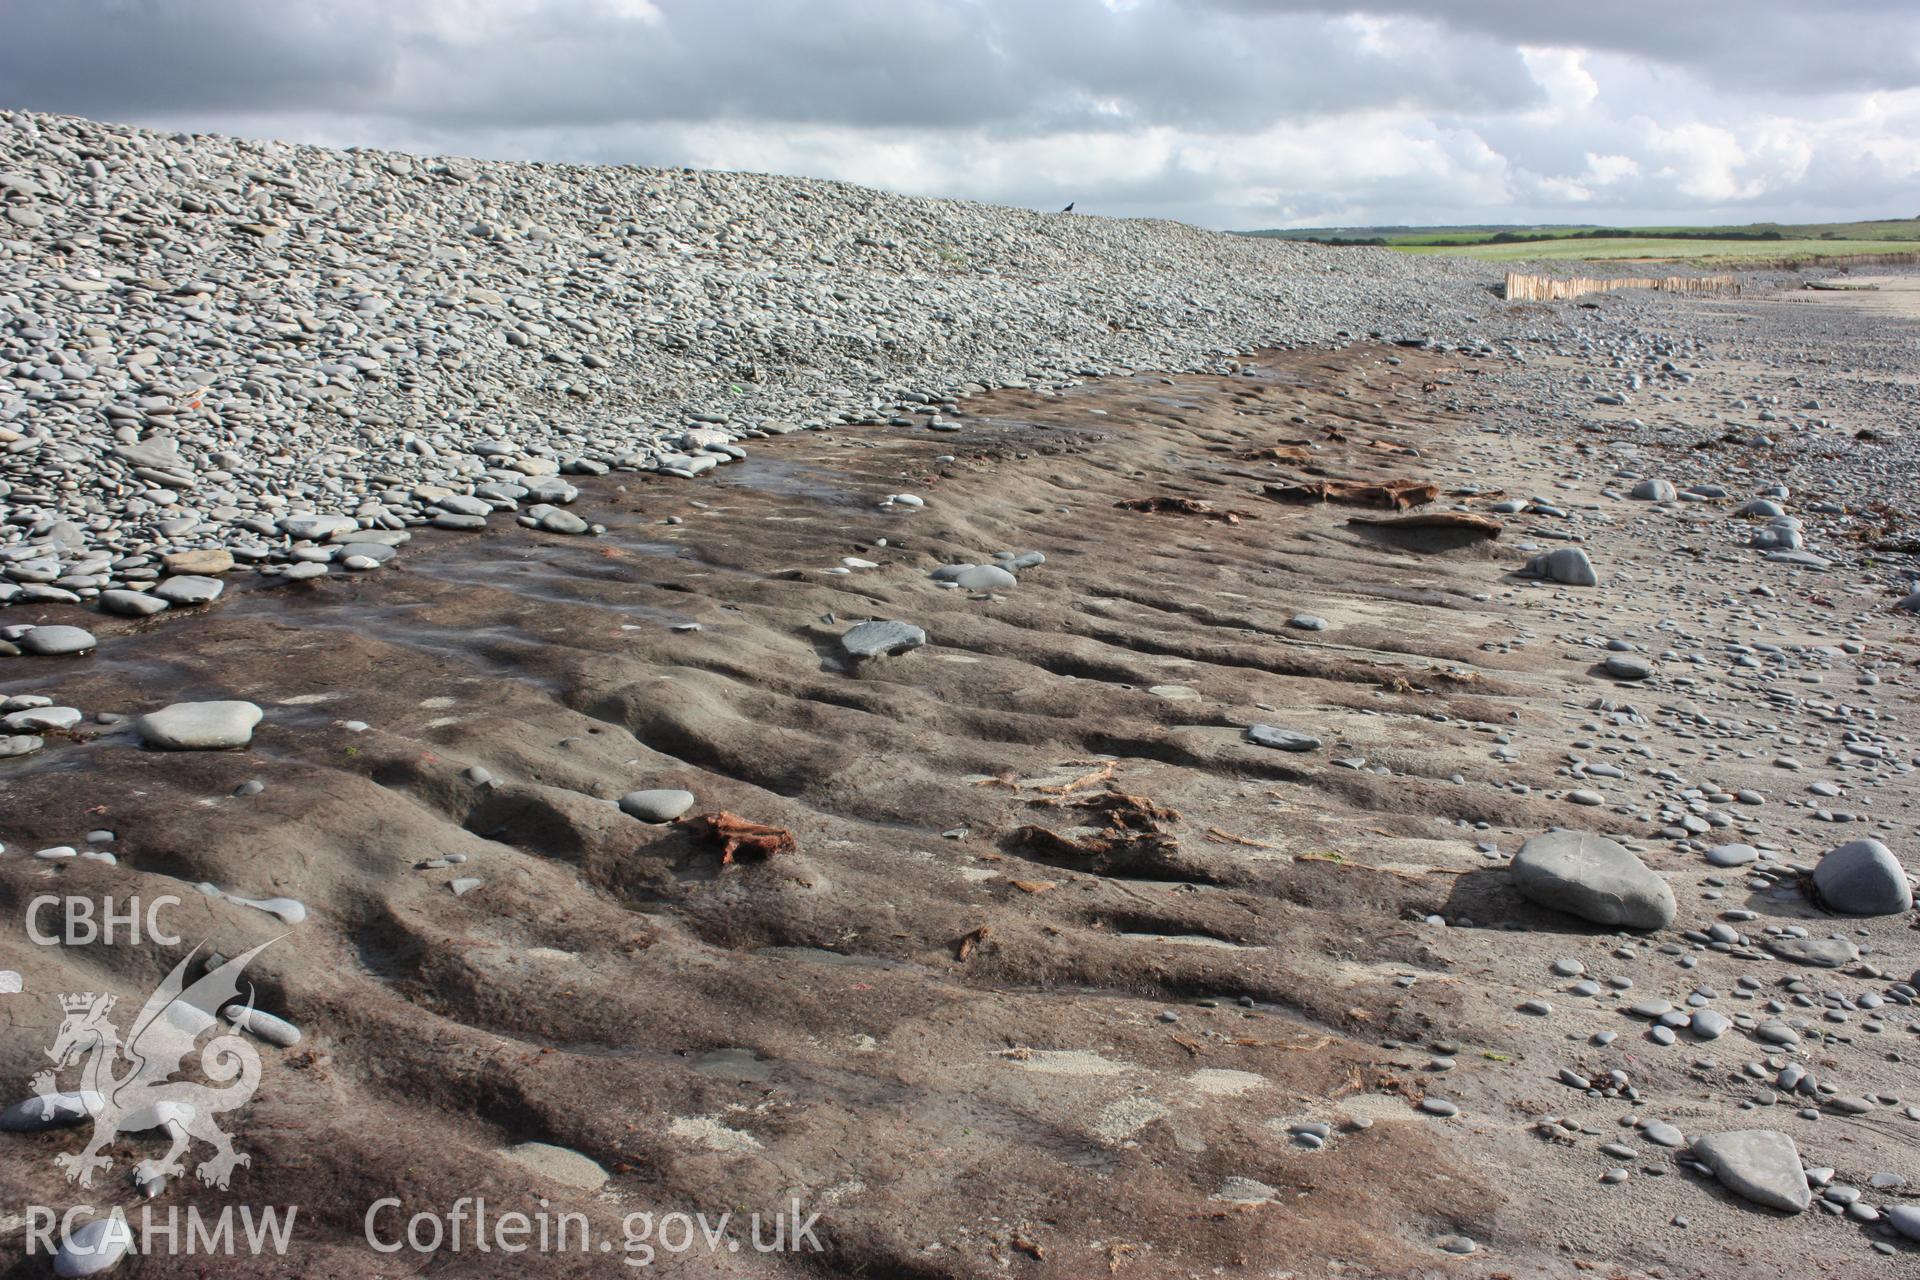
[1352, 235]
[1620, 233]
[1535, 237]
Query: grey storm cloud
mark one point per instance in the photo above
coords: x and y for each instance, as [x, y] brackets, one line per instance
[913, 63]
[1229, 112]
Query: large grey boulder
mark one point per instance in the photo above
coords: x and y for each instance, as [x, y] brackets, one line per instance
[199, 726]
[1760, 1165]
[1863, 878]
[1590, 876]
[1653, 491]
[1563, 564]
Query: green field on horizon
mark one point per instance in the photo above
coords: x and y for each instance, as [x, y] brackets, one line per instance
[1763, 241]
[1662, 250]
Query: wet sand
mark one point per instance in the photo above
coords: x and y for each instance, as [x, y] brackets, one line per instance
[971, 1049]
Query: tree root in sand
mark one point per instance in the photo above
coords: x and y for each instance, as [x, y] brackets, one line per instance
[737, 836]
[1123, 812]
[1145, 854]
[1396, 494]
[1132, 842]
[965, 944]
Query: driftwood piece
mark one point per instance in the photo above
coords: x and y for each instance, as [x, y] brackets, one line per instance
[1397, 495]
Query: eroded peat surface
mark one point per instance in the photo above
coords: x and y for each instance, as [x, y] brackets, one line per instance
[1063, 974]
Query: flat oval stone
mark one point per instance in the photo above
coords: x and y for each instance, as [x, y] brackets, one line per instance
[881, 639]
[1732, 855]
[1708, 1024]
[131, 604]
[1624, 666]
[40, 718]
[1820, 953]
[190, 589]
[1282, 739]
[985, 577]
[378, 552]
[56, 641]
[656, 806]
[199, 726]
[1663, 1134]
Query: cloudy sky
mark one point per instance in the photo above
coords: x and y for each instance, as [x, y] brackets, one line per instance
[1229, 113]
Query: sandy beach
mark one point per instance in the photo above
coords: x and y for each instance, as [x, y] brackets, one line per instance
[1063, 972]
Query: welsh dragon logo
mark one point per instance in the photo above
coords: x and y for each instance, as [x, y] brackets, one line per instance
[127, 1087]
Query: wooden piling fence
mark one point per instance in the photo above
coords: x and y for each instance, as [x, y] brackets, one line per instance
[1524, 288]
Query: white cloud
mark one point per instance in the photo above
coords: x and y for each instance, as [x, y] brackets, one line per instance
[1606, 170]
[1562, 73]
[1227, 112]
